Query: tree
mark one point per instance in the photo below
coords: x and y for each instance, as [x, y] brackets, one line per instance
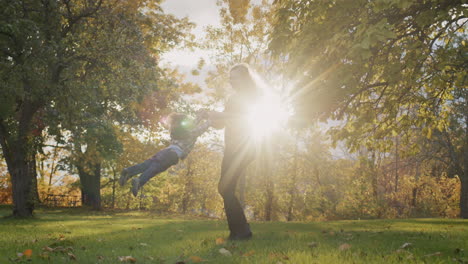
[385, 67]
[68, 62]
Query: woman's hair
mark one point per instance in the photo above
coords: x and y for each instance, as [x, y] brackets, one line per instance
[246, 74]
[179, 125]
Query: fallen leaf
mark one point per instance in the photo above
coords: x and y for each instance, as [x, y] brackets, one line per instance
[46, 248]
[278, 255]
[220, 241]
[100, 257]
[248, 254]
[344, 247]
[196, 259]
[59, 249]
[28, 253]
[71, 256]
[225, 252]
[406, 245]
[127, 259]
[312, 244]
[433, 254]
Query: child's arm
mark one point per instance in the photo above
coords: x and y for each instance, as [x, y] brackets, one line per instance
[219, 119]
[201, 128]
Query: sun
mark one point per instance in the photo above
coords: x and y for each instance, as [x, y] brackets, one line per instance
[268, 116]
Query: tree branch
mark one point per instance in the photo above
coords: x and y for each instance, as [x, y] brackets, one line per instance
[346, 104]
[72, 20]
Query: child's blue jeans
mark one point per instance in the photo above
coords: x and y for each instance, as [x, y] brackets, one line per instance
[160, 162]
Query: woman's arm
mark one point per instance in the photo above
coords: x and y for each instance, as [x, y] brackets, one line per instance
[218, 119]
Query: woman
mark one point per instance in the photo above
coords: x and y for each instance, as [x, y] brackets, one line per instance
[239, 149]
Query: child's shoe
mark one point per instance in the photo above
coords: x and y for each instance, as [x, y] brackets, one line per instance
[135, 186]
[123, 177]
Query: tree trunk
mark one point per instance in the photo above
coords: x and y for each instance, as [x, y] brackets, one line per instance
[269, 201]
[22, 187]
[292, 191]
[91, 186]
[270, 193]
[33, 173]
[396, 163]
[463, 175]
[187, 191]
[20, 154]
[464, 196]
[113, 188]
[241, 189]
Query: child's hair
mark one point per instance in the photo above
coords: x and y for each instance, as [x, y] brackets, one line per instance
[179, 125]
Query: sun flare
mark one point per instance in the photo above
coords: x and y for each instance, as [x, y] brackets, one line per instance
[268, 116]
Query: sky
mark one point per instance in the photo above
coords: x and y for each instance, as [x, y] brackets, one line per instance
[203, 13]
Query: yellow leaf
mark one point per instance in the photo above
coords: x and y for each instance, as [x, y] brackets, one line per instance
[433, 254]
[220, 241]
[250, 253]
[127, 259]
[28, 253]
[196, 259]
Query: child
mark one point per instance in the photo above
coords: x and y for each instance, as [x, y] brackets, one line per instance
[184, 133]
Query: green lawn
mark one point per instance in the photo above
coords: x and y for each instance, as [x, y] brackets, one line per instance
[103, 237]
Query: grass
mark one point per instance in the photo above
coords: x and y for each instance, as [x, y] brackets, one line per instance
[102, 237]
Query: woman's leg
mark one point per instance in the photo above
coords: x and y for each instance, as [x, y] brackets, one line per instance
[232, 168]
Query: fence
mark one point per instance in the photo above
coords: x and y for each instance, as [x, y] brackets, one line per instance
[62, 200]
